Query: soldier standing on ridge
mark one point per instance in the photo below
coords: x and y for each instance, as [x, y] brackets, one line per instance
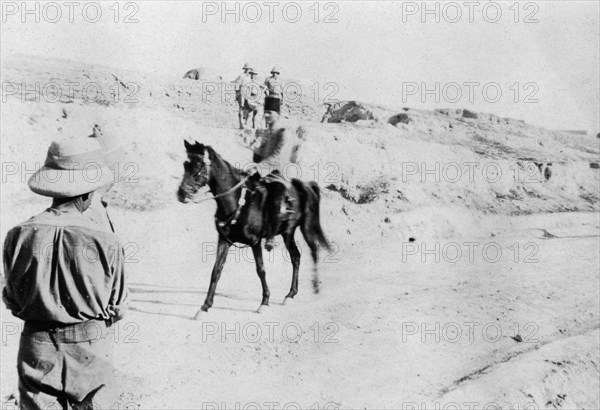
[273, 87]
[240, 82]
[252, 95]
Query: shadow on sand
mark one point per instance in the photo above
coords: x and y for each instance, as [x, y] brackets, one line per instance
[142, 288]
[145, 289]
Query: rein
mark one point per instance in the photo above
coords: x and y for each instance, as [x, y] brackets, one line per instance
[230, 190]
[207, 163]
[232, 220]
[242, 201]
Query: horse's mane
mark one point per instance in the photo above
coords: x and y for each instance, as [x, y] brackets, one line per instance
[224, 164]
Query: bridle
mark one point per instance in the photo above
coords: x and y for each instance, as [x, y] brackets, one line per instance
[232, 220]
[207, 163]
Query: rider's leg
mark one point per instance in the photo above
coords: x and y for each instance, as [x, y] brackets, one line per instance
[272, 225]
[275, 201]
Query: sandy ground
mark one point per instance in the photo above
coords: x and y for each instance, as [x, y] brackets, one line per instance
[387, 331]
[494, 303]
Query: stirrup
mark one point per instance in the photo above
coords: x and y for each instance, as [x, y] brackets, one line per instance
[286, 206]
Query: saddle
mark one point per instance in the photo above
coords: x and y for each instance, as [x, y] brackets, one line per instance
[269, 200]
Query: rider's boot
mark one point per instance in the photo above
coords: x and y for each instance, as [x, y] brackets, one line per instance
[287, 206]
[269, 244]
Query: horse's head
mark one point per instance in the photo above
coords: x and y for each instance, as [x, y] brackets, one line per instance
[196, 171]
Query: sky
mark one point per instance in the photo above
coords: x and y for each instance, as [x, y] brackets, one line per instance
[532, 60]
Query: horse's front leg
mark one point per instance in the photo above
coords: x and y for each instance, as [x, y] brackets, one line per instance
[260, 270]
[222, 248]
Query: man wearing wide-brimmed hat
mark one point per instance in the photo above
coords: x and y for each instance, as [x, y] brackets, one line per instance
[240, 82]
[273, 86]
[252, 93]
[65, 279]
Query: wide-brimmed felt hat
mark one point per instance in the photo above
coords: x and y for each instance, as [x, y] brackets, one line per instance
[275, 69]
[73, 166]
[247, 66]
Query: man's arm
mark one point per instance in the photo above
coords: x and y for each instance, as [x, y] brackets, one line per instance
[118, 302]
[280, 91]
[260, 151]
[7, 293]
[238, 82]
[279, 139]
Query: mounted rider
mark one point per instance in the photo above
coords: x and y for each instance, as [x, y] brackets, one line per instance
[277, 149]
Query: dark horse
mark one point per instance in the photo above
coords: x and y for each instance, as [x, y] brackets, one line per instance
[244, 221]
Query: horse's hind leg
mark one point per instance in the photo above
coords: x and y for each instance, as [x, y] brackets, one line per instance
[314, 252]
[260, 270]
[292, 248]
[222, 249]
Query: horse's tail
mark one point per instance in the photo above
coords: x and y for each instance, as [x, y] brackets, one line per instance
[317, 217]
[310, 198]
[310, 195]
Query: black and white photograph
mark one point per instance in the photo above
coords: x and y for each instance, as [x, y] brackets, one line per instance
[286, 205]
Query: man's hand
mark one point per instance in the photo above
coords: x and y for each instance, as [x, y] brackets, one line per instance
[253, 168]
[117, 312]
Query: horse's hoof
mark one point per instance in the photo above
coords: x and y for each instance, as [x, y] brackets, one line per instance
[201, 312]
[263, 309]
[288, 301]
